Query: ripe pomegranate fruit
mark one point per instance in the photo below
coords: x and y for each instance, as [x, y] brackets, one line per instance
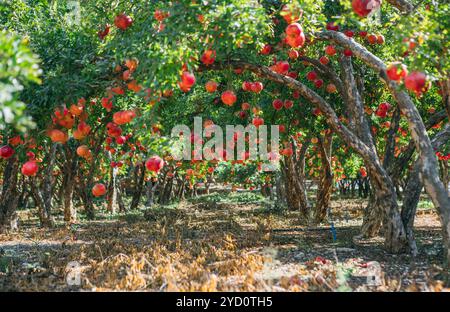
[365, 7]
[123, 21]
[154, 164]
[257, 121]
[416, 82]
[277, 104]
[208, 57]
[324, 60]
[396, 71]
[266, 50]
[228, 97]
[257, 87]
[311, 76]
[331, 88]
[6, 151]
[99, 190]
[211, 86]
[288, 104]
[30, 168]
[293, 54]
[332, 26]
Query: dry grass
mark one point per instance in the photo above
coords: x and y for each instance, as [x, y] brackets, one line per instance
[213, 247]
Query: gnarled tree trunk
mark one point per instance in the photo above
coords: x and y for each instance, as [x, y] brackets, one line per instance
[325, 186]
[10, 196]
[69, 173]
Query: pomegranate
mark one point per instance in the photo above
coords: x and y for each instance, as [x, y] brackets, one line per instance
[154, 164]
[330, 50]
[208, 57]
[324, 60]
[396, 71]
[277, 104]
[123, 21]
[30, 168]
[211, 86]
[257, 121]
[416, 82]
[228, 97]
[311, 76]
[365, 7]
[288, 104]
[6, 151]
[99, 190]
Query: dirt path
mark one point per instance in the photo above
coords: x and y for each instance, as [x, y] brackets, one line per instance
[220, 246]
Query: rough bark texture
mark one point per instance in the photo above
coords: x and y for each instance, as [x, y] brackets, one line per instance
[414, 187]
[325, 186]
[383, 206]
[111, 194]
[294, 181]
[139, 175]
[69, 174]
[389, 152]
[295, 189]
[428, 161]
[10, 196]
[403, 5]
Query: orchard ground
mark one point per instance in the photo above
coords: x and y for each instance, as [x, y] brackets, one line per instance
[224, 241]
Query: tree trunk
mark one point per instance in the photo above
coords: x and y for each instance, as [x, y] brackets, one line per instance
[414, 187]
[383, 186]
[296, 196]
[70, 171]
[47, 190]
[139, 172]
[111, 194]
[325, 186]
[9, 197]
[428, 162]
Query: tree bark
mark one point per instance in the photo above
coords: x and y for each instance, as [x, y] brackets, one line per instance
[414, 187]
[70, 171]
[111, 193]
[428, 161]
[9, 197]
[139, 172]
[325, 186]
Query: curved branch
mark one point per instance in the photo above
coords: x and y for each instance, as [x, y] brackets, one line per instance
[333, 121]
[429, 164]
[403, 5]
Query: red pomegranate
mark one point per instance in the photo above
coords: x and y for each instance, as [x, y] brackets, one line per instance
[258, 121]
[154, 164]
[293, 54]
[416, 82]
[257, 87]
[6, 151]
[30, 168]
[332, 26]
[266, 49]
[211, 86]
[208, 57]
[324, 60]
[296, 41]
[288, 104]
[99, 189]
[123, 21]
[228, 98]
[277, 104]
[245, 106]
[365, 7]
[396, 71]
[187, 79]
[294, 29]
